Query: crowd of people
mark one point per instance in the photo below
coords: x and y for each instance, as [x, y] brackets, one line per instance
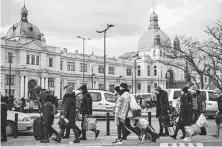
[191, 105]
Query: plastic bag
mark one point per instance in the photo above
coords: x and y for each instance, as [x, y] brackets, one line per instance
[202, 121]
[91, 123]
[133, 104]
[195, 130]
[188, 131]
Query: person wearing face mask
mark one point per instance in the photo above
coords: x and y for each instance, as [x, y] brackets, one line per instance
[218, 120]
[86, 110]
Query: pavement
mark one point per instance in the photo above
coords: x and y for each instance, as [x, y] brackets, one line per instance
[104, 140]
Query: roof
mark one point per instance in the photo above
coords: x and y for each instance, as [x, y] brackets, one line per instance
[128, 55]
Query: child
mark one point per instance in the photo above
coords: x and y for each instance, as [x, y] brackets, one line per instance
[145, 128]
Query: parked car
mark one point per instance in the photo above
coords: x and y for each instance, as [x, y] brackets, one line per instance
[211, 100]
[25, 122]
[102, 101]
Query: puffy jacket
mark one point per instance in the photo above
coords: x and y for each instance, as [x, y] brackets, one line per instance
[219, 102]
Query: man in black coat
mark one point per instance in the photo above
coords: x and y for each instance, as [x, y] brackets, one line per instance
[46, 107]
[86, 110]
[162, 110]
[4, 109]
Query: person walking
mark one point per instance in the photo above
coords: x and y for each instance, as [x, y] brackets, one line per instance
[162, 110]
[218, 120]
[68, 112]
[86, 111]
[122, 109]
[4, 109]
[46, 107]
[201, 109]
[23, 104]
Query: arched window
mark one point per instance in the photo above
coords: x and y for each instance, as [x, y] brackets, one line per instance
[154, 52]
[155, 71]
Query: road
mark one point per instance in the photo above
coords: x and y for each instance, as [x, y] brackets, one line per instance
[104, 140]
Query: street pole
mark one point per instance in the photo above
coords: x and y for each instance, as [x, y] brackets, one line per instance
[83, 66]
[10, 68]
[105, 60]
[104, 31]
[135, 74]
[92, 77]
[132, 81]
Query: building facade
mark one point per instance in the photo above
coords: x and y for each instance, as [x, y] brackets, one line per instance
[36, 63]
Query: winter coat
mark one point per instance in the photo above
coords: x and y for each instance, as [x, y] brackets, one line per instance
[86, 104]
[69, 108]
[46, 100]
[201, 103]
[4, 109]
[186, 109]
[219, 102]
[162, 104]
[122, 106]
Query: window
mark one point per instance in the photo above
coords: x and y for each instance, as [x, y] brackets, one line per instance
[61, 65]
[176, 94]
[212, 97]
[155, 71]
[111, 88]
[81, 67]
[139, 86]
[71, 66]
[138, 71]
[7, 80]
[10, 55]
[50, 62]
[148, 88]
[27, 59]
[37, 60]
[7, 92]
[148, 70]
[128, 72]
[155, 85]
[51, 82]
[96, 97]
[101, 86]
[101, 69]
[154, 53]
[110, 97]
[111, 70]
[33, 60]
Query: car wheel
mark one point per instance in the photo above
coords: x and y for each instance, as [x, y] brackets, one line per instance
[10, 128]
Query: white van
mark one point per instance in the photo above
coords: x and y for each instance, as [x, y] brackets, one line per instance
[102, 101]
[211, 100]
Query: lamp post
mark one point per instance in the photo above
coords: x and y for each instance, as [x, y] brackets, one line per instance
[10, 68]
[135, 71]
[104, 31]
[83, 73]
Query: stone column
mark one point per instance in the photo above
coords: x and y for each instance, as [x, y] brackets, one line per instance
[26, 87]
[39, 81]
[42, 82]
[46, 83]
[21, 86]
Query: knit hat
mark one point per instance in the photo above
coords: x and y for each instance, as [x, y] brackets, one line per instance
[185, 89]
[69, 89]
[117, 89]
[158, 88]
[124, 85]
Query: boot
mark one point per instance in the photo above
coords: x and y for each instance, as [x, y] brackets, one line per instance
[83, 135]
[59, 137]
[184, 133]
[166, 132]
[217, 134]
[154, 135]
[203, 131]
[76, 134]
[174, 136]
[67, 133]
[45, 140]
[97, 133]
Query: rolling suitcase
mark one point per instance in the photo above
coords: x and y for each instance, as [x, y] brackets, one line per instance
[38, 128]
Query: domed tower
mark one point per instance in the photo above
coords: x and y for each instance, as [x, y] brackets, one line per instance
[176, 43]
[24, 28]
[154, 21]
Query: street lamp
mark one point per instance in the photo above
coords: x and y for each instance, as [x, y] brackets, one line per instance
[83, 56]
[135, 71]
[104, 31]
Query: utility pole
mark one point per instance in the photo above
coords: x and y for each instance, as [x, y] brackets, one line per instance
[10, 68]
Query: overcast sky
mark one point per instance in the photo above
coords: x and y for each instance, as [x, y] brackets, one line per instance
[62, 20]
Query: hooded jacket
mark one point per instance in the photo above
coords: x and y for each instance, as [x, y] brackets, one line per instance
[86, 104]
[162, 105]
